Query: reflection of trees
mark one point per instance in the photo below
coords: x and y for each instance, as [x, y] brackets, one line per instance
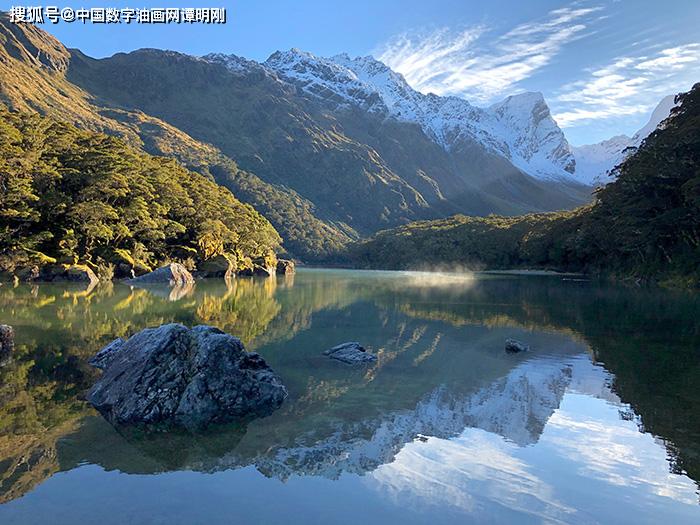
[245, 309]
[58, 327]
[424, 336]
[38, 405]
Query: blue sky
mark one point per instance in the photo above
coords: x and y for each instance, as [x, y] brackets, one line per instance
[602, 66]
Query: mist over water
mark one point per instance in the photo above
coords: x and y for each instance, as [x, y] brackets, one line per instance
[439, 277]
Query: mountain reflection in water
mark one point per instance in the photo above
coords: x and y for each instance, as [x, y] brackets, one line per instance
[603, 408]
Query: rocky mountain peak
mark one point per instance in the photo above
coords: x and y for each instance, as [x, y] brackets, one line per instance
[519, 128]
[326, 79]
[536, 137]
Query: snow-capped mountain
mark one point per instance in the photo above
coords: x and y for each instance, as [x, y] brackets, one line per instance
[234, 63]
[520, 128]
[594, 161]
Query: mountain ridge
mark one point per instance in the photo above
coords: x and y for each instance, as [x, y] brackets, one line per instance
[516, 128]
[323, 176]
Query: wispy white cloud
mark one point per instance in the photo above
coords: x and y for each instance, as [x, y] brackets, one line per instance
[673, 58]
[478, 65]
[627, 85]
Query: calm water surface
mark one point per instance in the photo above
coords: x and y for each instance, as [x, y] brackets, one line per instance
[598, 423]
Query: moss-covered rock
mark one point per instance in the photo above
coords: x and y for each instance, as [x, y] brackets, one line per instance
[219, 266]
[285, 267]
[68, 272]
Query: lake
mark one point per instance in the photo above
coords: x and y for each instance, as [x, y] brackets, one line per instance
[598, 423]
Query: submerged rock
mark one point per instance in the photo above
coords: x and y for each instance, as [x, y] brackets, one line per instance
[285, 267]
[174, 274]
[513, 346]
[173, 376]
[351, 353]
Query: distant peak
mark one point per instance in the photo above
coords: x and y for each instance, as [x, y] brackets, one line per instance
[527, 98]
[291, 54]
[661, 112]
[233, 62]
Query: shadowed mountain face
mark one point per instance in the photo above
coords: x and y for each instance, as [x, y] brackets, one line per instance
[358, 167]
[441, 369]
[321, 172]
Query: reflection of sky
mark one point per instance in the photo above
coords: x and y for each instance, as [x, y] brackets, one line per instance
[589, 466]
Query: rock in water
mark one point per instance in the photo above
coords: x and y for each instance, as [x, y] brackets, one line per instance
[258, 271]
[68, 272]
[173, 376]
[351, 353]
[513, 346]
[174, 274]
[285, 267]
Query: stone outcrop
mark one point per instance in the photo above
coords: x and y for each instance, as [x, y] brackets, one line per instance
[261, 267]
[285, 267]
[78, 273]
[350, 353]
[258, 271]
[173, 376]
[219, 266]
[28, 273]
[173, 274]
[70, 273]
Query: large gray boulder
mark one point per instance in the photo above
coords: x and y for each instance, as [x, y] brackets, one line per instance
[104, 357]
[173, 274]
[173, 376]
[351, 353]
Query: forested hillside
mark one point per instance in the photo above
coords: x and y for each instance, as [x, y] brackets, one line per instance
[72, 196]
[33, 78]
[645, 225]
